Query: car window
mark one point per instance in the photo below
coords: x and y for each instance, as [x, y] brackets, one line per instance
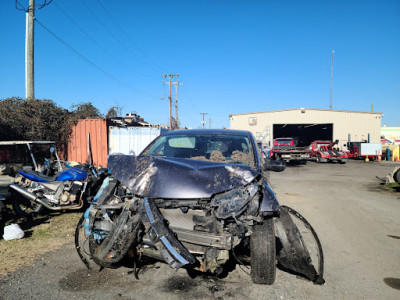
[234, 149]
[283, 142]
[15, 154]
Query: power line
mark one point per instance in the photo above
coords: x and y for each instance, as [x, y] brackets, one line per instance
[95, 42]
[19, 6]
[91, 62]
[114, 36]
[193, 107]
[129, 37]
[45, 3]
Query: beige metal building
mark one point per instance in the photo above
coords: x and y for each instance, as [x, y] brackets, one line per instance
[308, 124]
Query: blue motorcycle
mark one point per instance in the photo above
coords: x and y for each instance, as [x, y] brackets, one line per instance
[57, 188]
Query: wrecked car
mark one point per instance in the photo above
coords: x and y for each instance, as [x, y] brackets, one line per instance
[195, 199]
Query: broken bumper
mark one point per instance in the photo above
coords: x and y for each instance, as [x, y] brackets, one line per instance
[294, 254]
[157, 230]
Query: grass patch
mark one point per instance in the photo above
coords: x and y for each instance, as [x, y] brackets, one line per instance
[42, 234]
[395, 186]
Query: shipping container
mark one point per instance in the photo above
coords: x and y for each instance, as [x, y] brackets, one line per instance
[78, 144]
[130, 140]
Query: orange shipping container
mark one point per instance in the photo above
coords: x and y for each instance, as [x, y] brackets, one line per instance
[77, 147]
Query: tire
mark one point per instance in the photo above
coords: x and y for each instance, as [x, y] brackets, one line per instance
[396, 176]
[82, 245]
[118, 241]
[263, 253]
[318, 159]
[2, 218]
[24, 207]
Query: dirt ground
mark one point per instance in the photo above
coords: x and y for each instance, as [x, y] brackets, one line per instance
[358, 223]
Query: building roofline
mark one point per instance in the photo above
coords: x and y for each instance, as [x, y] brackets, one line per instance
[316, 109]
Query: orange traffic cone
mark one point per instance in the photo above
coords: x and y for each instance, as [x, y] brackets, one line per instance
[397, 158]
[379, 158]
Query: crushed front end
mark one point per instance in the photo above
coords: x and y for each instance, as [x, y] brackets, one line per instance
[194, 214]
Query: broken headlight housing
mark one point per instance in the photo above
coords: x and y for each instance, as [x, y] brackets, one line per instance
[234, 202]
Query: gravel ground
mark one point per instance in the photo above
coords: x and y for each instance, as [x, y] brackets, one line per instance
[357, 221]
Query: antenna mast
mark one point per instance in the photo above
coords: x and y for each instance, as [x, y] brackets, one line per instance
[331, 93]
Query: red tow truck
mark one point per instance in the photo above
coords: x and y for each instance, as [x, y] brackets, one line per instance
[324, 151]
[285, 149]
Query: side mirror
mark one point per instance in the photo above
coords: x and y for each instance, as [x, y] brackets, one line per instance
[275, 165]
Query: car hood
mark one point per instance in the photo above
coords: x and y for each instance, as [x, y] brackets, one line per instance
[176, 178]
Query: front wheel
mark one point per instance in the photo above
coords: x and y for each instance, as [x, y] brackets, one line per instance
[263, 253]
[110, 250]
[25, 207]
[82, 245]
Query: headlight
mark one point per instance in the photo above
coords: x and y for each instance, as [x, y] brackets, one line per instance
[233, 202]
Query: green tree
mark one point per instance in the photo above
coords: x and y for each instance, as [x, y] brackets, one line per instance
[112, 113]
[85, 110]
[36, 119]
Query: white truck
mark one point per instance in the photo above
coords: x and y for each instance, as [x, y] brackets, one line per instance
[362, 150]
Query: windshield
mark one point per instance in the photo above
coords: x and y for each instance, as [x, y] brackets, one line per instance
[223, 148]
[15, 154]
[284, 142]
[323, 145]
[19, 154]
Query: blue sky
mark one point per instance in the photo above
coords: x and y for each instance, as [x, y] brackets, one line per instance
[232, 56]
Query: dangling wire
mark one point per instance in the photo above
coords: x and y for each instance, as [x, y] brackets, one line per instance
[19, 6]
[45, 3]
[241, 264]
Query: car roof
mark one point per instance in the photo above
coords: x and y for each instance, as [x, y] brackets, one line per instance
[208, 131]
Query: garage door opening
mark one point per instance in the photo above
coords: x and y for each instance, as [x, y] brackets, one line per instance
[305, 134]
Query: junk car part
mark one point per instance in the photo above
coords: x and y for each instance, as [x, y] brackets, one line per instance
[192, 213]
[294, 254]
[173, 252]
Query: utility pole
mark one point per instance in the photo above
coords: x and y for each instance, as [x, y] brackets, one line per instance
[29, 43]
[176, 83]
[170, 97]
[29, 51]
[331, 93]
[203, 122]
